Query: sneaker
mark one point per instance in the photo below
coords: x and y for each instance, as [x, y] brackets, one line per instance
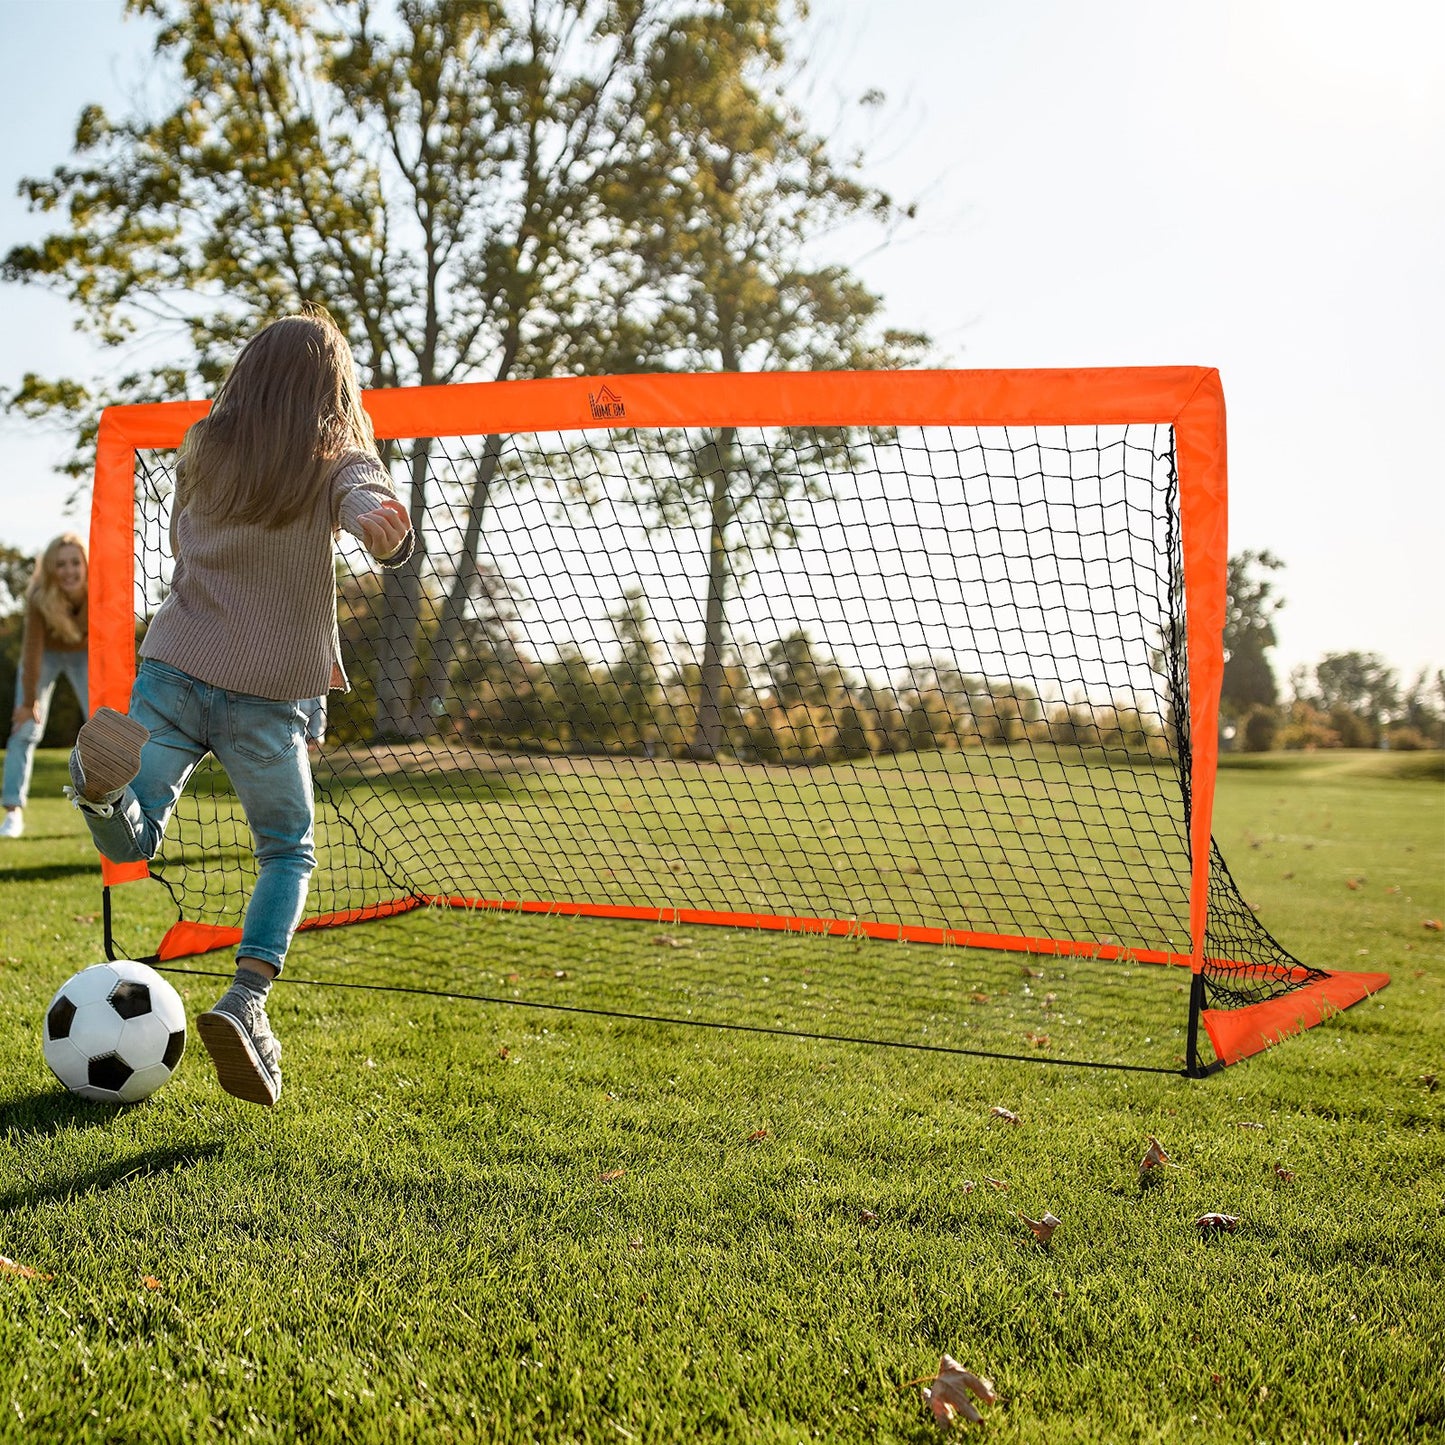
[105, 758]
[14, 824]
[247, 1055]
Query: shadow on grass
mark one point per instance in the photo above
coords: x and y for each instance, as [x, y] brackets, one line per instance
[49, 872]
[145, 1165]
[50, 1110]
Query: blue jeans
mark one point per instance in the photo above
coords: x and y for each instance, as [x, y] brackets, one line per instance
[20, 749]
[262, 746]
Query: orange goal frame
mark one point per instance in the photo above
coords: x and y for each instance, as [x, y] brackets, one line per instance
[1188, 399]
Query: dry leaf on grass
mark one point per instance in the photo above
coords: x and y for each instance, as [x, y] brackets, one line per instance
[21, 1271]
[1043, 1228]
[1247, 1124]
[1039, 1041]
[150, 1281]
[1217, 1223]
[1433, 924]
[999, 1184]
[1285, 1176]
[1007, 1115]
[758, 1134]
[609, 1176]
[666, 940]
[1155, 1157]
[947, 1394]
[869, 1216]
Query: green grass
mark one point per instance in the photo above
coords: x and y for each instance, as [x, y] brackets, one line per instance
[484, 1222]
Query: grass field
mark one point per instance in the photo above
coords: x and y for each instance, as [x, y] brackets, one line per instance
[472, 1221]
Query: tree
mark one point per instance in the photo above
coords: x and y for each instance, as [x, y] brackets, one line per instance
[16, 568]
[1249, 634]
[453, 179]
[1422, 709]
[736, 195]
[1357, 686]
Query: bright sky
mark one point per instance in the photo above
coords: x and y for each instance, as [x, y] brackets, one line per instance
[1248, 184]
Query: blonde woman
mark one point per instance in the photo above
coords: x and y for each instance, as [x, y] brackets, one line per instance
[54, 646]
[241, 653]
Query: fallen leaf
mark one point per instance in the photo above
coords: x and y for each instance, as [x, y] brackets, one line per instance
[980, 998]
[504, 1052]
[1247, 1124]
[869, 1216]
[1285, 1176]
[1007, 1115]
[1433, 924]
[1353, 883]
[1050, 999]
[1028, 972]
[947, 1394]
[1218, 1223]
[609, 1175]
[756, 1135]
[666, 940]
[967, 1187]
[1043, 1228]
[999, 1184]
[21, 1271]
[1155, 1157]
[1039, 1041]
[150, 1281]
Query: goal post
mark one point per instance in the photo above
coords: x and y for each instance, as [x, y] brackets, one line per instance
[998, 450]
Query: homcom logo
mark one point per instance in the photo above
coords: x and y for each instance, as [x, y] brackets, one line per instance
[606, 405]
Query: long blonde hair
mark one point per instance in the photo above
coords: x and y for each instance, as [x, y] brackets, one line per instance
[288, 409]
[65, 618]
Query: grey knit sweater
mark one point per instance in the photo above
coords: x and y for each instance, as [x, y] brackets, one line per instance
[253, 609]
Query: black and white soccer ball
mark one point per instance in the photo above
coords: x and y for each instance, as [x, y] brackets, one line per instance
[115, 1032]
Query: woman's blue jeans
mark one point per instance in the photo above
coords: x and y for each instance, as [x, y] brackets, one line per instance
[20, 748]
[262, 746]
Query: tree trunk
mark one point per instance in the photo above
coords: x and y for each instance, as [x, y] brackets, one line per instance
[430, 702]
[707, 738]
[401, 619]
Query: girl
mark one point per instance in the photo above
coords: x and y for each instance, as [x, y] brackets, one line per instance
[244, 648]
[54, 644]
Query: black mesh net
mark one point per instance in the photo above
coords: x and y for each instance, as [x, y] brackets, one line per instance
[896, 685]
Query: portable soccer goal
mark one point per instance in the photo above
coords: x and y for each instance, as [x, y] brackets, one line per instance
[848, 663]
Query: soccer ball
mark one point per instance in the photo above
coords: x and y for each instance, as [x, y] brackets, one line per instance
[115, 1032]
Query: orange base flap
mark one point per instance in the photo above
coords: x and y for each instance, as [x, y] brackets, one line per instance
[185, 938]
[1237, 1033]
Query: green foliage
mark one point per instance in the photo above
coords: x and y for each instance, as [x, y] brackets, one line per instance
[1249, 633]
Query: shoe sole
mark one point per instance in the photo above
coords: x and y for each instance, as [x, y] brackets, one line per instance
[109, 746]
[237, 1067]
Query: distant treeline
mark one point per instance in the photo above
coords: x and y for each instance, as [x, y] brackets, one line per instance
[792, 704]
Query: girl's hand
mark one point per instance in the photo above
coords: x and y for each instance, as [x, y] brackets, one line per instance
[384, 528]
[23, 715]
